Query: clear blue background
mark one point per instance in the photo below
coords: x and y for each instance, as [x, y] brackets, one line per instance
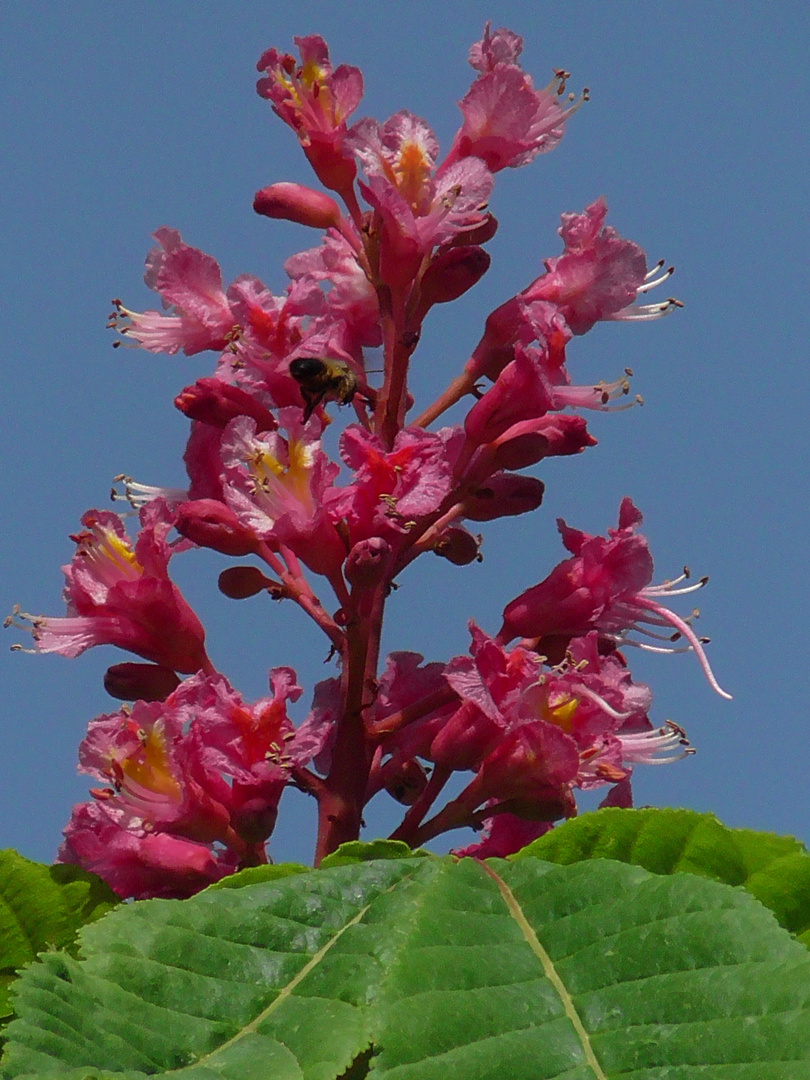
[123, 117]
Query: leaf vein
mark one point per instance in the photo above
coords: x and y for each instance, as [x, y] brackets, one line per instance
[608, 936]
[700, 969]
[548, 966]
[216, 978]
[286, 991]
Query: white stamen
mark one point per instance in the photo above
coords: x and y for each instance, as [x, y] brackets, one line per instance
[653, 648]
[667, 590]
[640, 746]
[644, 312]
[658, 637]
[138, 495]
[597, 699]
[651, 283]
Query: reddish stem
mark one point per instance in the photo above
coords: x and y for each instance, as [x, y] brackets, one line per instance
[398, 345]
[460, 386]
[350, 199]
[298, 589]
[208, 667]
[428, 536]
[416, 711]
[409, 829]
[307, 781]
[254, 855]
[452, 816]
[341, 801]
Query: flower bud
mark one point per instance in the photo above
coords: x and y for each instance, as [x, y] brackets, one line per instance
[521, 392]
[521, 451]
[496, 348]
[408, 783]
[212, 524]
[140, 682]
[546, 804]
[367, 562]
[240, 582]
[458, 546]
[484, 232]
[504, 495]
[217, 403]
[530, 441]
[533, 763]
[295, 202]
[255, 820]
[333, 168]
[452, 273]
[465, 738]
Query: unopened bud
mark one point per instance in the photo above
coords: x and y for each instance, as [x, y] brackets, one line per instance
[214, 402]
[521, 451]
[334, 167]
[504, 495]
[212, 524]
[140, 682]
[458, 546]
[295, 202]
[529, 441]
[482, 233]
[408, 783]
[452, 273]
[548, 804]
[496, 348]
[255, 820]
[367, 562]
[240, 582]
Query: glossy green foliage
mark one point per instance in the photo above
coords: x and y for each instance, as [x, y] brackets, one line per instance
[775, 869]
[428, 969]
[255, 875]
[42, 907]
[356, 851]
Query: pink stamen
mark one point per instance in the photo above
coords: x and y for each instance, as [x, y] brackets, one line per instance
[690, 635]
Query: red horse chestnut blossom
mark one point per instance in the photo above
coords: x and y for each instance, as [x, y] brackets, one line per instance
[507, 122]
[499, 740]
[193, 785]
[120, 594]
[605, 586]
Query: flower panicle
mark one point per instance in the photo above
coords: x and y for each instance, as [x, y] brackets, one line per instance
[190, 775]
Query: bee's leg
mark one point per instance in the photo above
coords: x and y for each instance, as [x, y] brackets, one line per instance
[312, 399]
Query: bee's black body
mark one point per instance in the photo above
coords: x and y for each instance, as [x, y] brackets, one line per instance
[322, 379]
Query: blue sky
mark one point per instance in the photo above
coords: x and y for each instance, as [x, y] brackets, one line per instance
[125, 117]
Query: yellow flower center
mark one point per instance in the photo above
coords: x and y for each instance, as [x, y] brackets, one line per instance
[150, 767]
[560, 712]
[104, 546]
[412, 171]
[294, 476]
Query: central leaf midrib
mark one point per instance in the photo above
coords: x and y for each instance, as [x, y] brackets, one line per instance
[516, 911]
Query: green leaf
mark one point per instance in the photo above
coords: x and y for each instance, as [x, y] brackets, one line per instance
[775, 869]
[427, 969]
[355, 851]
[42, 907]
[254, 875]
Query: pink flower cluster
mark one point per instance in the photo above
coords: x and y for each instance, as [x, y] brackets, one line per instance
[192, 786]
[192, 775]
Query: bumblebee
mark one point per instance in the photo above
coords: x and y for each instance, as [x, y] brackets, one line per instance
[322, 379]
